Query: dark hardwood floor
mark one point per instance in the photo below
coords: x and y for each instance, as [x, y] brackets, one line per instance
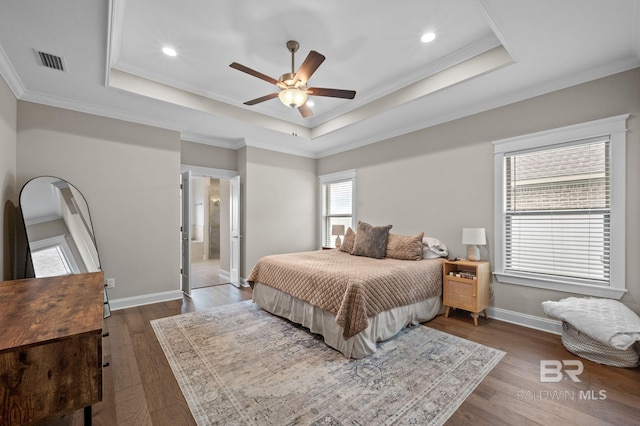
[140, 389]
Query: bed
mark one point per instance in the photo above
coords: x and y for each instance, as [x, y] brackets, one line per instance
[352, 301]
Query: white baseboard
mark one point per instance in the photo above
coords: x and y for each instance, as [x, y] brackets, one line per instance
[224, 273]
[145, 299]
[525, 320]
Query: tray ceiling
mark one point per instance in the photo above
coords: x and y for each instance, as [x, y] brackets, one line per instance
[486, 53]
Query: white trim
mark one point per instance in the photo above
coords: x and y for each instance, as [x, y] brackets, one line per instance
[144, 299]
[559, 285]
[331, 178]
[613, 127]
[48, 242]
[488, 16]
[588, 130]
[112, 44]
[525, 320]
[208, 172]
[605, 70]
[234, 144]
[101, 110]
[10, 75]
[43, 219]
[334, 177]
[300, 152]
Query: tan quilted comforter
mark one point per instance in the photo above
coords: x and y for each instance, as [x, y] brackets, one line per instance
[354, 288]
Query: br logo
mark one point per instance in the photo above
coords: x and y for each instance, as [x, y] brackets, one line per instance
[551, 370]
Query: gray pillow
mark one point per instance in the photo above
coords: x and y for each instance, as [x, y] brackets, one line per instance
[371, 241]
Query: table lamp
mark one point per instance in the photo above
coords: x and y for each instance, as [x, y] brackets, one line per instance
[337, 230]
[473, 237]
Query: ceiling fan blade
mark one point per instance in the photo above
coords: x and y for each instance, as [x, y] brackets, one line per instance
[254, 73]
[309, 66]
[305, 111]
[261, 99]
[332, 93]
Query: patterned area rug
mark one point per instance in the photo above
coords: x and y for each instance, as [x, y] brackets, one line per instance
[238, 364]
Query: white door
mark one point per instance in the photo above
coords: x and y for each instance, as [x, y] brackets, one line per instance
[184, 234]
[234, 273]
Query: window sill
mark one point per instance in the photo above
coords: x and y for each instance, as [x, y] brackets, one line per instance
[569, 287]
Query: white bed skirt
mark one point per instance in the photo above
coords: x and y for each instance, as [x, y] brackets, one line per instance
[381, 327]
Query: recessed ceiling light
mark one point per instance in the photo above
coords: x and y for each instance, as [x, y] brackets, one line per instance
[428, 37]
[169, 51]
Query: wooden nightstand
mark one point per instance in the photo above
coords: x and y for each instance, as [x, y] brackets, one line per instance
[466, 286]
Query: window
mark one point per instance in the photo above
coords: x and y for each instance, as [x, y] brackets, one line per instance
[337, 192]
[50, 262]
[52, 256]
[560, 208]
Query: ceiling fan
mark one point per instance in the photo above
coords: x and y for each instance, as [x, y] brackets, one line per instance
[293, 86]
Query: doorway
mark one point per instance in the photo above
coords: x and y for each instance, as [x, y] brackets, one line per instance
[210, 217]
[209, 209]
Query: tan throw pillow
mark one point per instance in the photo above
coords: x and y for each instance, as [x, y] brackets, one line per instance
[371, 241]
[349, 239]
[405, 247]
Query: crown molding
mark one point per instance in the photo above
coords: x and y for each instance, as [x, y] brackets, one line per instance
[207, 140]
[528, 93]
[635, 30]
[284, 150]
[88, 108]
[10, 75]
[461, 55]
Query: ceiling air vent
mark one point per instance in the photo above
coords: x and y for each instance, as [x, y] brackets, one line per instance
[51, 61]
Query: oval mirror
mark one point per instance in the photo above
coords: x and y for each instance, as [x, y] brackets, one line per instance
[58, 226]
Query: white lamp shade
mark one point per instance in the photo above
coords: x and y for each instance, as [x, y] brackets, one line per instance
[337, 230]
[474, 236]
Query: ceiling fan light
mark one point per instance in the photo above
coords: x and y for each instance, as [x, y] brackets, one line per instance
[292, 97]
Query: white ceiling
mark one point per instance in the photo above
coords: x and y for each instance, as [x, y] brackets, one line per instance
[487, 53]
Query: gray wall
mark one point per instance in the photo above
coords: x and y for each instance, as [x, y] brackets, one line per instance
[439, 180]
[280, 205]
[128, 174]
[8, 194]
[196, 154]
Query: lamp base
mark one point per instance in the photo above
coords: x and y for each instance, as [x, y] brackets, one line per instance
[338, 242]
[473, 252]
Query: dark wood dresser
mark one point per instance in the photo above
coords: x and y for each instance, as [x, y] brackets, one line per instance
[50, 346]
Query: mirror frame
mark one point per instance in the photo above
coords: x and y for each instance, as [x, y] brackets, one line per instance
[91, 253]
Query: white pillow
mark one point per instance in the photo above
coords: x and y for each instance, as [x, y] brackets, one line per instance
[432, 248]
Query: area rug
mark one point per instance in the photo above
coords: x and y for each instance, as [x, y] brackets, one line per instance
[238, 364]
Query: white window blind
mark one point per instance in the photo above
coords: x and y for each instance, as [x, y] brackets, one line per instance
[557, 211]
[51, 261]
[336, 201]
[337, 208]
[560, 208]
